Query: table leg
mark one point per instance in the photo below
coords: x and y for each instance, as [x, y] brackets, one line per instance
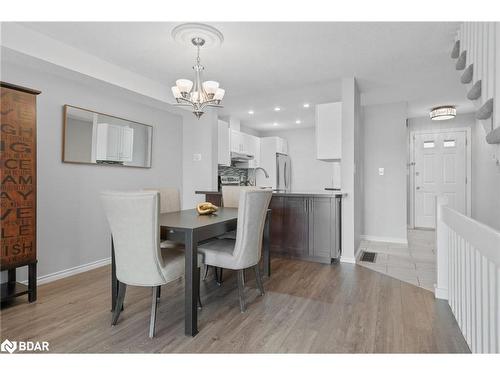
[191, 284]
[266, 245]
[114, 281]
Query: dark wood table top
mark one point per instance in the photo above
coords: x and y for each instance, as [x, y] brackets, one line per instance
[190, 219]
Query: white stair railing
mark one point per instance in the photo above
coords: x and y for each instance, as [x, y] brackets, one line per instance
[468, 276]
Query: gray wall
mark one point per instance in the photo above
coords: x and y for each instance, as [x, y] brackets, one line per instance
[485, 179]
[308, 173]
[385, 145]
[199, 138]
[71, 228]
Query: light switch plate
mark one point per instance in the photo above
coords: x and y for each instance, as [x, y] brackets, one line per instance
[196, 157]
[381, 171]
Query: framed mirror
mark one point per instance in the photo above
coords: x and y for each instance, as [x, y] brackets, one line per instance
[96, 138]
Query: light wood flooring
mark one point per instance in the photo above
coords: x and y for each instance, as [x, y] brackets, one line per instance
[308, 307]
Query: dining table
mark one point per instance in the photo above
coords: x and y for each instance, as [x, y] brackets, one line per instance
[190, 228]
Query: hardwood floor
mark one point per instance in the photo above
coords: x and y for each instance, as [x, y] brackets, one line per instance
[308, 307]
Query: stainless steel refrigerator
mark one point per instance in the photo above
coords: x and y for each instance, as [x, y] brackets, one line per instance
[283, 172]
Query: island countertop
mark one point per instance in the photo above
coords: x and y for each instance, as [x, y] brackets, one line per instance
[319, 194]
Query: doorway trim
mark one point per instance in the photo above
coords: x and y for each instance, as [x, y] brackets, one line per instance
[468, 167]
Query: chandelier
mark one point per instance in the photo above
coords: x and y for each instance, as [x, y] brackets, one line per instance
[196, 94]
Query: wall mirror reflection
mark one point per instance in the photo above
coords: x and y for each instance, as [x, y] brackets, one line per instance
[96, 138]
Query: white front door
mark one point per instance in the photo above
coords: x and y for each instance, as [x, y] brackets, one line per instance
[440, 169]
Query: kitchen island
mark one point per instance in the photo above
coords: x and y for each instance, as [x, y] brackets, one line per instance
[304, 225]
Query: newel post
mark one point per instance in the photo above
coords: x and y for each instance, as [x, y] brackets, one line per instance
[441, 287]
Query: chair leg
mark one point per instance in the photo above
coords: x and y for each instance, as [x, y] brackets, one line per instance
[218, 275]
[241, 291]
[154, 304]
[200, 306]
[159, 293]
[122, 288]
[206, 272]
[258, 279]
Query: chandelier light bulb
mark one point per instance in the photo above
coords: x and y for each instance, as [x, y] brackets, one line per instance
[176, 92]
[219, 94]
[210, 87]
[184, 85]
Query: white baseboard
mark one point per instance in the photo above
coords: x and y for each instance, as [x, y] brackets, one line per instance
[441, 293]
[70, 271]
[397, 240]
[347, 260]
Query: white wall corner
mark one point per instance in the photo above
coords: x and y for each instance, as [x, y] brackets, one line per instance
[440, 293]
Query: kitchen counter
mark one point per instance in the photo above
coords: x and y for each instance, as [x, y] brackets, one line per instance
[304, 225]
[320, 194]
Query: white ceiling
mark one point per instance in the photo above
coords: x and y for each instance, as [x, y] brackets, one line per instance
[263, 65]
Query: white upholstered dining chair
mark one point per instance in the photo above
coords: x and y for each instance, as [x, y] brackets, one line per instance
[133, 220]
[230, 198]
[245, 251]
[170, 201]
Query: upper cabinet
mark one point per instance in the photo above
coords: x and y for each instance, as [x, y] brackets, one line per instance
[329, 131]
[254, 147]
[281, 145]
[224, 144]
[244, 143]
[237, 141]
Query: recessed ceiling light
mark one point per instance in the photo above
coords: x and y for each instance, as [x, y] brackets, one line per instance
[444, 112]
[277, 109]
[298, 122]
[251, 112]
[275, 124]
[306, 105]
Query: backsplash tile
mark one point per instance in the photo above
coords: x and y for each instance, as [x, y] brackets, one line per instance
[241, 173]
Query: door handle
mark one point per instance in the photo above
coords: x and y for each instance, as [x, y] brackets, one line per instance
[418, 187]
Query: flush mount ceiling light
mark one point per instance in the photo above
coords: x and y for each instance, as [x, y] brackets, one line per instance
[277, 109]
[298, 122]
[251, 112]
[306, 105]
[197, 95]
[275, 124]
[444, 112]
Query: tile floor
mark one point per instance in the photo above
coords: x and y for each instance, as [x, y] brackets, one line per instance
[414, 264]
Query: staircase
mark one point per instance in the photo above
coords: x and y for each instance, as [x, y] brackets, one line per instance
[477, 54]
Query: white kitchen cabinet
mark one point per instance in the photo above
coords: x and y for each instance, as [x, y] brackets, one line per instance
[237, 141]
[254, 143]
[224, 142]
[114, 143]
[281, 145]
[329, 131]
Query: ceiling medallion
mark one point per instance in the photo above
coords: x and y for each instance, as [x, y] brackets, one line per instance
[197, 94]
[444, 112]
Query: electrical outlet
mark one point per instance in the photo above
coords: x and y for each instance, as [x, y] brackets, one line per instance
[381, 171]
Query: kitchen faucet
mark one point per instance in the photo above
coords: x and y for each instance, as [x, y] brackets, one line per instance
[255, 175]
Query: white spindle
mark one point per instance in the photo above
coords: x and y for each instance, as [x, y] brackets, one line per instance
[486, 303]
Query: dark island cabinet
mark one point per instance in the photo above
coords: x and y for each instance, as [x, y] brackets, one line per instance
[306, 227]
[303, 226]
[296, 227]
